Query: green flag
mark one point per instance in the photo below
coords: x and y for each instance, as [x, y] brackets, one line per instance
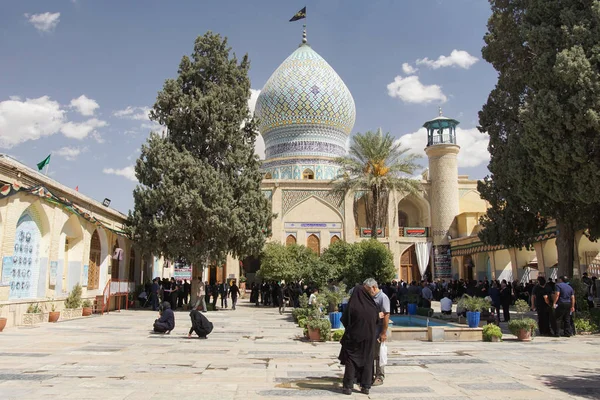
[43, 163]
[299, 15]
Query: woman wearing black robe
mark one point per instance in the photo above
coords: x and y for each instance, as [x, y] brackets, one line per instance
[360, 319]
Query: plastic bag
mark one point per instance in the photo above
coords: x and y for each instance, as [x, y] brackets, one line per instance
[383, 354]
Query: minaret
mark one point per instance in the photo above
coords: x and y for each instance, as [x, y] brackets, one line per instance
[443, 175]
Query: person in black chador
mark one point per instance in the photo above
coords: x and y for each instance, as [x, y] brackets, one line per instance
[541, 302]
[358, 343]
[200, 324]
[166, 322]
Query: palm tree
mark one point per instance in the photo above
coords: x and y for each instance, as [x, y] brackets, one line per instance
[379, 165]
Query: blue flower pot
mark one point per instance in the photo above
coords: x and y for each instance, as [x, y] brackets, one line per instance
[412, 309]
[473, 318]
[335, 319]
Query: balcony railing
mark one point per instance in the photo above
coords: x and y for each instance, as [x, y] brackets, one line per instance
[405, 231]
[366, 232]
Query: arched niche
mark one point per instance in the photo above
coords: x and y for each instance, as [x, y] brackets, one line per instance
[290, 240]
[334, 239]
[29, 256]
[313, 209]
[268, 175]
[70, 254]
[308, 174]
[314, 243]
[414, 211]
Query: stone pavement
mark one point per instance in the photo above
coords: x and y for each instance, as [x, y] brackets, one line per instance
[255, 353]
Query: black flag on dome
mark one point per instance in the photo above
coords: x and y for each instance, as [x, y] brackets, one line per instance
[299, 15]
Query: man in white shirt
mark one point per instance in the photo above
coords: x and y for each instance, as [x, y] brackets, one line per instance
[383, 305]
[312, 300]
[446, 305]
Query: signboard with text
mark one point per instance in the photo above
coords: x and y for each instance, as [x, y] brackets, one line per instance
[442, 262]
[182, 271]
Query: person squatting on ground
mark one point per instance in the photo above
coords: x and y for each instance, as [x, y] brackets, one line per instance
[200, 324]
[166, 322]
[358, 343]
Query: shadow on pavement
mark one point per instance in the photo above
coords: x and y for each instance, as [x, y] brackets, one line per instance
[585, 385]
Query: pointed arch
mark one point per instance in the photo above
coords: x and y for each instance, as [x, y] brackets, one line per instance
[290, 240]
[70, 253]
[334, 239]
[291, 213]
[308, 174]
[416, 209]
[268, 175]
[314, 243]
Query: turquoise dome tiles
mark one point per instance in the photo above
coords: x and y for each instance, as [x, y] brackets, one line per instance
[305, 90]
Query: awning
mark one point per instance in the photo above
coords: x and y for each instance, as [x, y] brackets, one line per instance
[532, 264]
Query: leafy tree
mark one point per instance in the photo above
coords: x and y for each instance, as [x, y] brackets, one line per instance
[199, 196]
[289, 263]
[378, 165]
[375, 261]
[338, 257]
[543, 121]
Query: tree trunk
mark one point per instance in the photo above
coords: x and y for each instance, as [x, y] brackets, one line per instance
[565, 247]
[375, 212]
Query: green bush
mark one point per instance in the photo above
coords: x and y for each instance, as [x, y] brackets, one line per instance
[336, 335]
[424, 311]
[333, 299]
[585, 325]
[322, 324]
[490, 331]
[522, 307]
[34, 308]
[411, 299]
[74, 299]
[517, 324]
[302, 322]
[473, 304]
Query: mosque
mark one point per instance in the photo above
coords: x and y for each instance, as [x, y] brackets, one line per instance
[306, 115]
[52, 237]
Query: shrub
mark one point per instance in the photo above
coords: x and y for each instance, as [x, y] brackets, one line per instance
[299, 313]
[490, 331]
[322, 324]
[473, 304]
[516, 325]
[34, 308]
[336, 335]
[74, 298]
[522, 307]
[86, 303]
[333, 299]
[302, 322]
[585, 325]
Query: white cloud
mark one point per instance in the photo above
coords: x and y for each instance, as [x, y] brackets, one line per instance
[473, 145]
[136, 113]
[97, 137]
[44, 22]
[84, 105]
[70, 153]
[458, 58]
[411, 90]
[15, 98]
[409, 69]
[80, 130]
[31, 119]
[127, 172]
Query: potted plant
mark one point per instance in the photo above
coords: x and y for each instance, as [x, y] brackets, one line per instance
[523, 328]
[54, 315]
[130, 300]
[73, 303]
[87, 308]
[411, 301]
[492, 333]
[333, 298]
[2, 320]
[474, 307]
[34, 314]
[319, 329]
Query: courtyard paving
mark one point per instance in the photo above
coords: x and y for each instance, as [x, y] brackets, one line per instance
[256, 353]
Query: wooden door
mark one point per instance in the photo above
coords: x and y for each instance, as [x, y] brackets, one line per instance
[314, 244]
[94, 267]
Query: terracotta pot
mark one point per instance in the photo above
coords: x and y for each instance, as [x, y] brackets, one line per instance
[2, 324]
[87, 311]
[495, 339]
[314, 335]
[524, 335]
[53, 316]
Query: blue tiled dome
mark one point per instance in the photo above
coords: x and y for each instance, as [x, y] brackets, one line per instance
[305, 114]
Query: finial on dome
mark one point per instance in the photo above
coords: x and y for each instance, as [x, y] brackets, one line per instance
[440, 108]
[304, 41]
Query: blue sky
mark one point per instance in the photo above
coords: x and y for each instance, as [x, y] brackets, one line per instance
[77, 77]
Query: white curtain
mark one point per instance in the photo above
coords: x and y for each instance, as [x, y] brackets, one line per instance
[423, 250]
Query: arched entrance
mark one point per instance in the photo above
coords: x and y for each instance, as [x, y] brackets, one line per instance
[95, 261]
[313, 243]
[25, 271]
[409, 269]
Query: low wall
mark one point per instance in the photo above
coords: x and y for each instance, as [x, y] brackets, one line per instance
[14, 310]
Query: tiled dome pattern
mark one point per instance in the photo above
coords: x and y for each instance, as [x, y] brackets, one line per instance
[304, 110]
[305, 90]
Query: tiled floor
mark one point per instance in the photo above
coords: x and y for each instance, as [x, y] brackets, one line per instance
[256, 353]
